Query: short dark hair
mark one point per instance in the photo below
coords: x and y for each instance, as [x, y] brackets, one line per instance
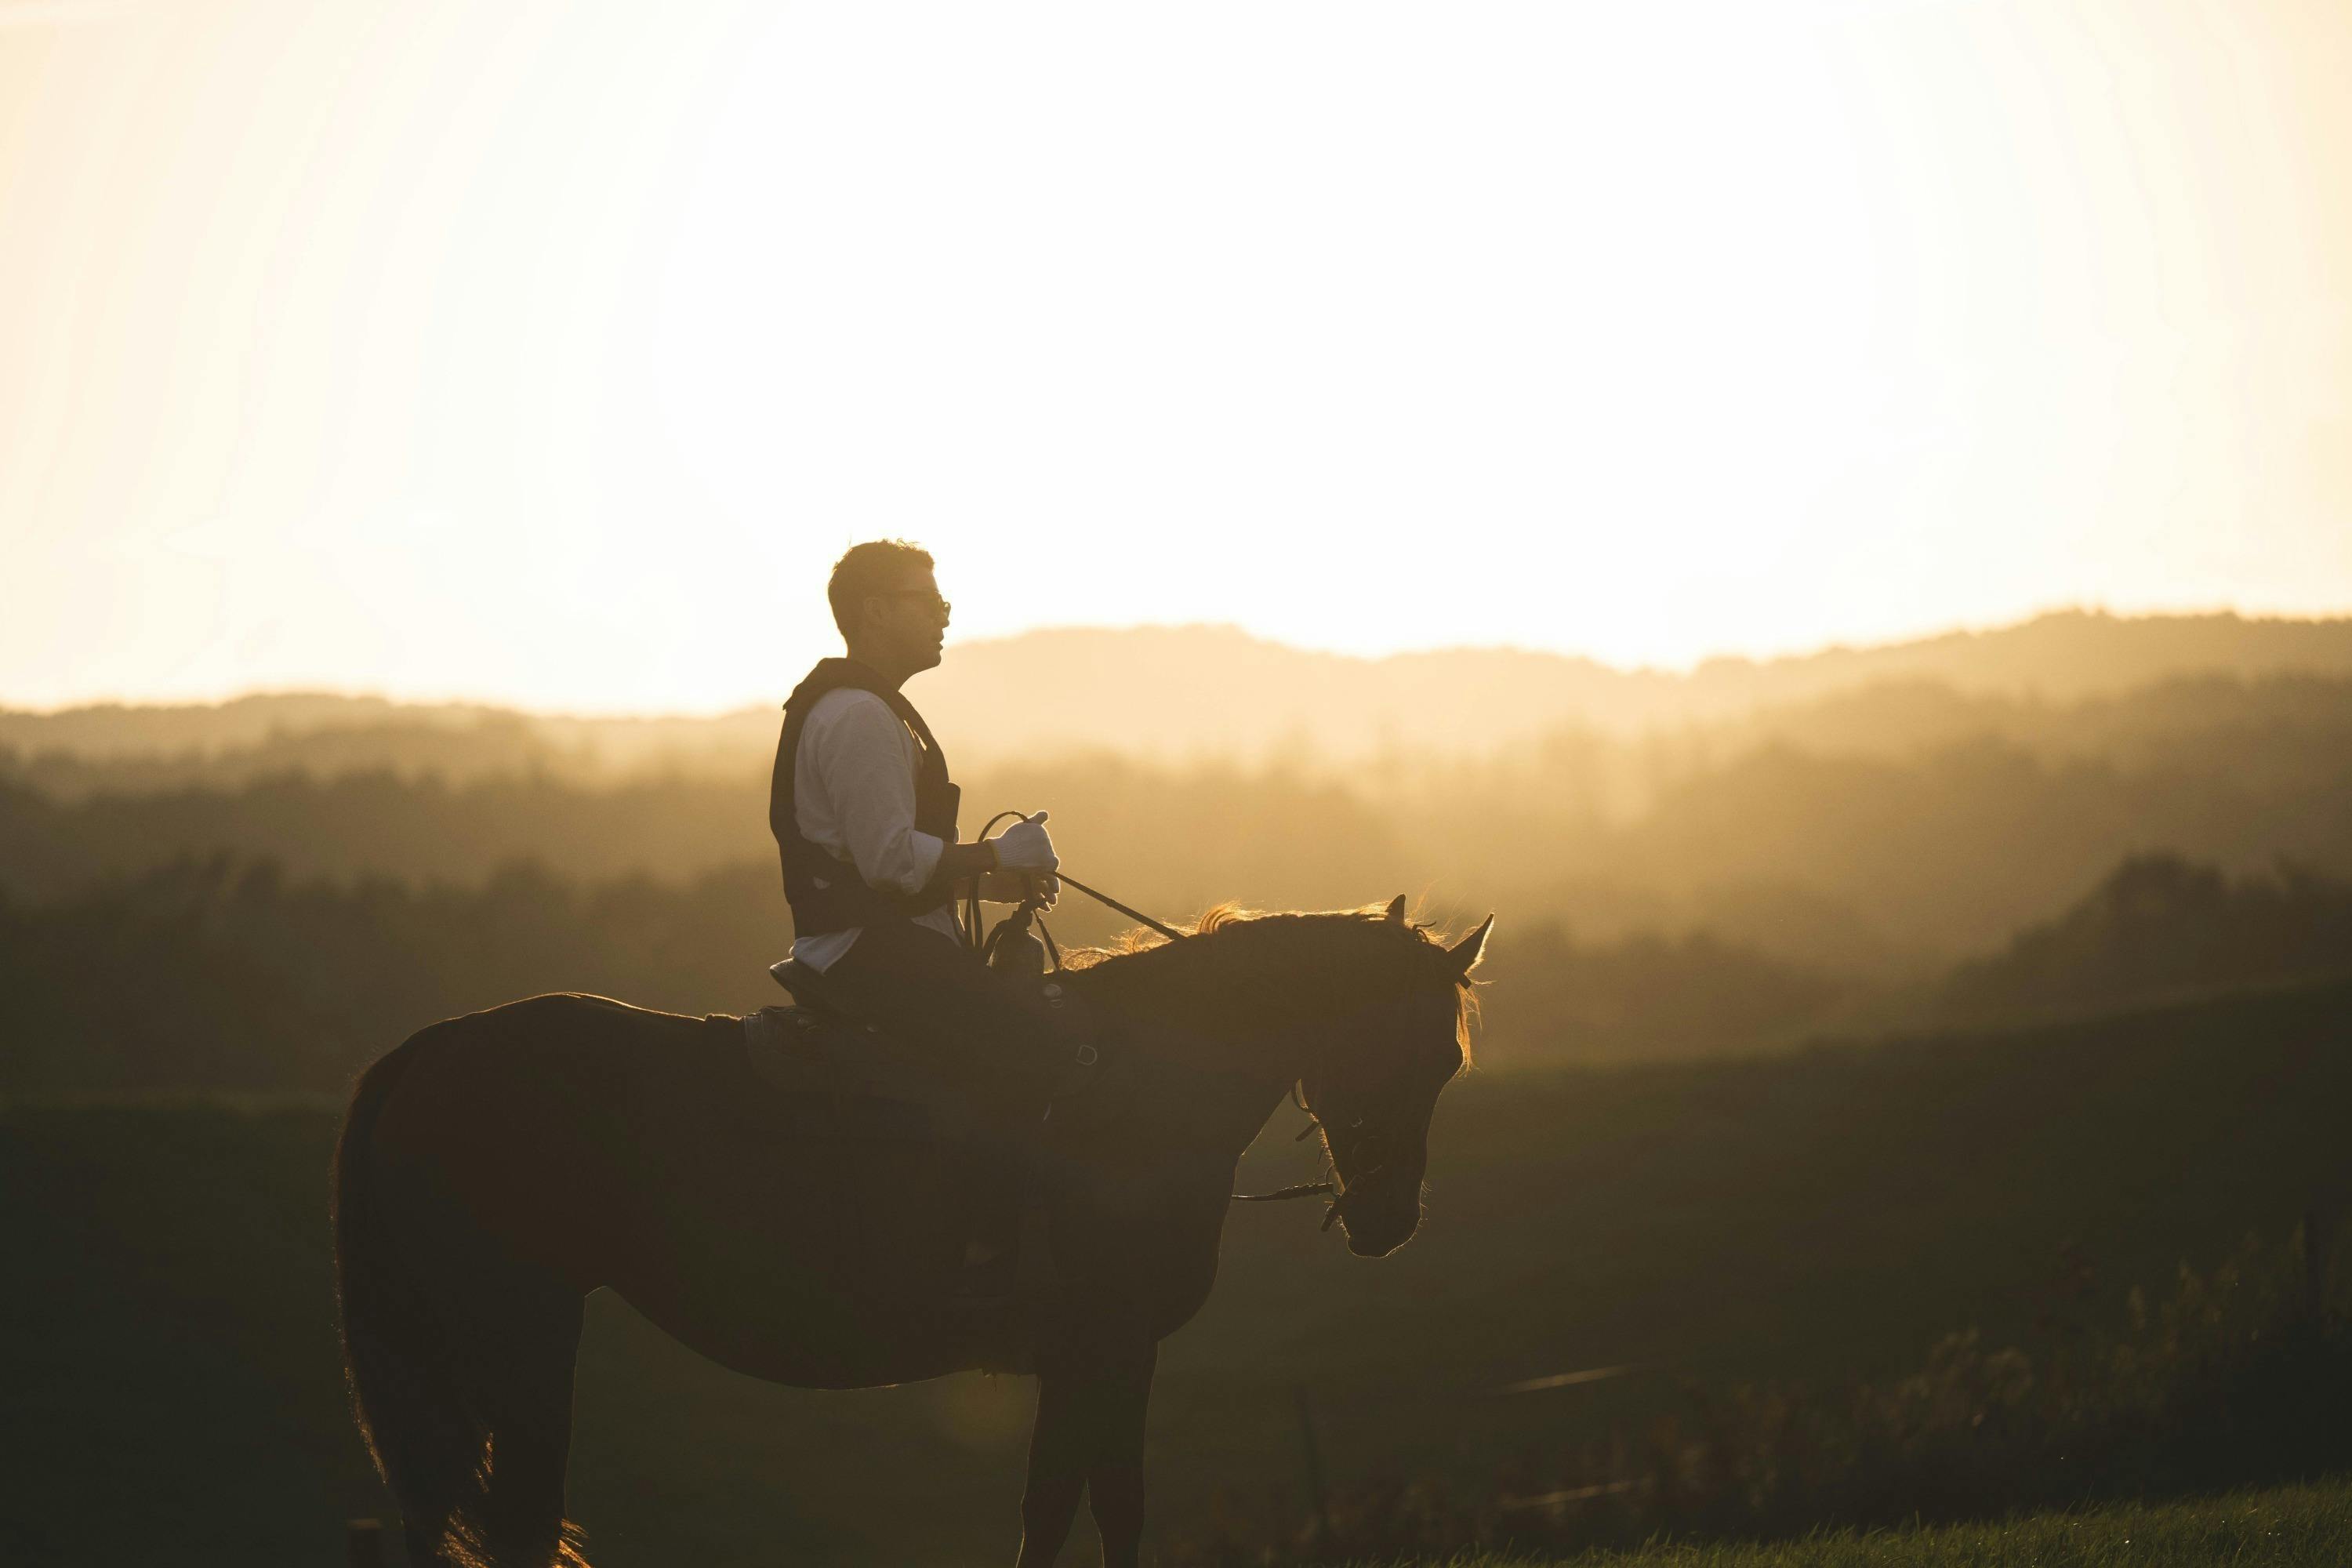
[867, 569]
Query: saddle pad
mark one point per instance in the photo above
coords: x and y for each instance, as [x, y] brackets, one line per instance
[851, 1083]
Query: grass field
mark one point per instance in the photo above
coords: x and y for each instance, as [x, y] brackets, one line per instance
[173, 1388]
[2295, 1527]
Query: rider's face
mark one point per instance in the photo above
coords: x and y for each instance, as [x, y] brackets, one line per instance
[908, 623]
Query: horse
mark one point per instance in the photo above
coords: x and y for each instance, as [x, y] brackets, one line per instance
[493, 1169]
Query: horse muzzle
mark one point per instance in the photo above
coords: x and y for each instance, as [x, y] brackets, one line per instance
[1380, 1213]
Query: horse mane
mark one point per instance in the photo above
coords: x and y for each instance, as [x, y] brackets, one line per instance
[1362, 951]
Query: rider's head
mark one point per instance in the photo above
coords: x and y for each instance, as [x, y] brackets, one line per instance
[887, 603]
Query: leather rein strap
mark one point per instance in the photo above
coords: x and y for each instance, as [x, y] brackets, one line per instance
[1171, 932]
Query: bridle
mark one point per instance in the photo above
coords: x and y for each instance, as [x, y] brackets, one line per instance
[1370, 1143]
[1298, 1087]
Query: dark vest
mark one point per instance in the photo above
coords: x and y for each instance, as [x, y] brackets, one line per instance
[828, 894]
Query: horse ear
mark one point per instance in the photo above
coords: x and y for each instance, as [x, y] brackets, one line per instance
[1396, 909]
[1464, 953]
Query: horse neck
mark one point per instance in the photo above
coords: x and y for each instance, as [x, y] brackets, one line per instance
[1223, 1006]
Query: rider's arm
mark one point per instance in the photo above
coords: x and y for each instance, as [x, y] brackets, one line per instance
[865, 760]
[958, 862]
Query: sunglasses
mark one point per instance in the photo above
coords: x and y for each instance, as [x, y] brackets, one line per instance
[944, 609]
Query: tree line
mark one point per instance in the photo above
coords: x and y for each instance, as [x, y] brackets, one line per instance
[1811, 843]
[221, 971]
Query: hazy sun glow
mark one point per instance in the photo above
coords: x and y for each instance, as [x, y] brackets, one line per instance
[550, 354]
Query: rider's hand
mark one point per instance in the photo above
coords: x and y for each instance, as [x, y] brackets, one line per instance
[1012, 887]
[1028, 846]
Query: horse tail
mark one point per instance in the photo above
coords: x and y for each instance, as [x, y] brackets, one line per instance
[428, 1420]
[406, 1395]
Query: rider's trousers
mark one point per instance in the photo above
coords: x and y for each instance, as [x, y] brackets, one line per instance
[990, 1032]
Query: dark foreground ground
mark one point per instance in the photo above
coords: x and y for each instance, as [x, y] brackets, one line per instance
[173, 1390]
[2294, 1527]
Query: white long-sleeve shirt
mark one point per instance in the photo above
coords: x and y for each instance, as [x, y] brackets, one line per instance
[854, 797]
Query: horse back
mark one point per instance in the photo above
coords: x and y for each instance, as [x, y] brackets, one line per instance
[805, 1236]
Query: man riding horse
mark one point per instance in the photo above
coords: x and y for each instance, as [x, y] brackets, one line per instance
[865, 819]
[496, 1169]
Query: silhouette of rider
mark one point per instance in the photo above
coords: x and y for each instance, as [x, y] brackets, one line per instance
[865, 819]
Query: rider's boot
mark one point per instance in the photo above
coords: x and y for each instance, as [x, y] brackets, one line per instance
[997, 1187]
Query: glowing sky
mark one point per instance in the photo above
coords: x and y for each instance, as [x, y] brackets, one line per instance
[550, 354]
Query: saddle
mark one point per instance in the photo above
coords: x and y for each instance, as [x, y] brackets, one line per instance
[816, 1046]
[819, 1046]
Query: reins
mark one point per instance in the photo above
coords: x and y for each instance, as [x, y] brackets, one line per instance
[972, 927]
[1303, 1190]
[1171, 932]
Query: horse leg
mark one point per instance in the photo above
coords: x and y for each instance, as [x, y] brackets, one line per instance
[494, 1496]
[503, 1336]
[1057, 1468]
[1089, 1434]
[520, 1516]
[1122, 1397]
[515, 1375]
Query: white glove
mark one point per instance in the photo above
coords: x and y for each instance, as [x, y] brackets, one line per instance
[1028, 846]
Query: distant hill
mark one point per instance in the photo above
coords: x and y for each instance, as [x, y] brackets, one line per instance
[2160, 926]
[1203, 687]
[1882, 829]
[1183, 691]
[1833, 846]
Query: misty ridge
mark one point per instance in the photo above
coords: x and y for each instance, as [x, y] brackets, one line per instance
[1185, 694]
[2077, 812]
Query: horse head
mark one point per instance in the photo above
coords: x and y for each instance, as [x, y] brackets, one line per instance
[1372, 1082]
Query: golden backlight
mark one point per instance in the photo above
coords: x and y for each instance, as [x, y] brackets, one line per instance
[550, 354]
